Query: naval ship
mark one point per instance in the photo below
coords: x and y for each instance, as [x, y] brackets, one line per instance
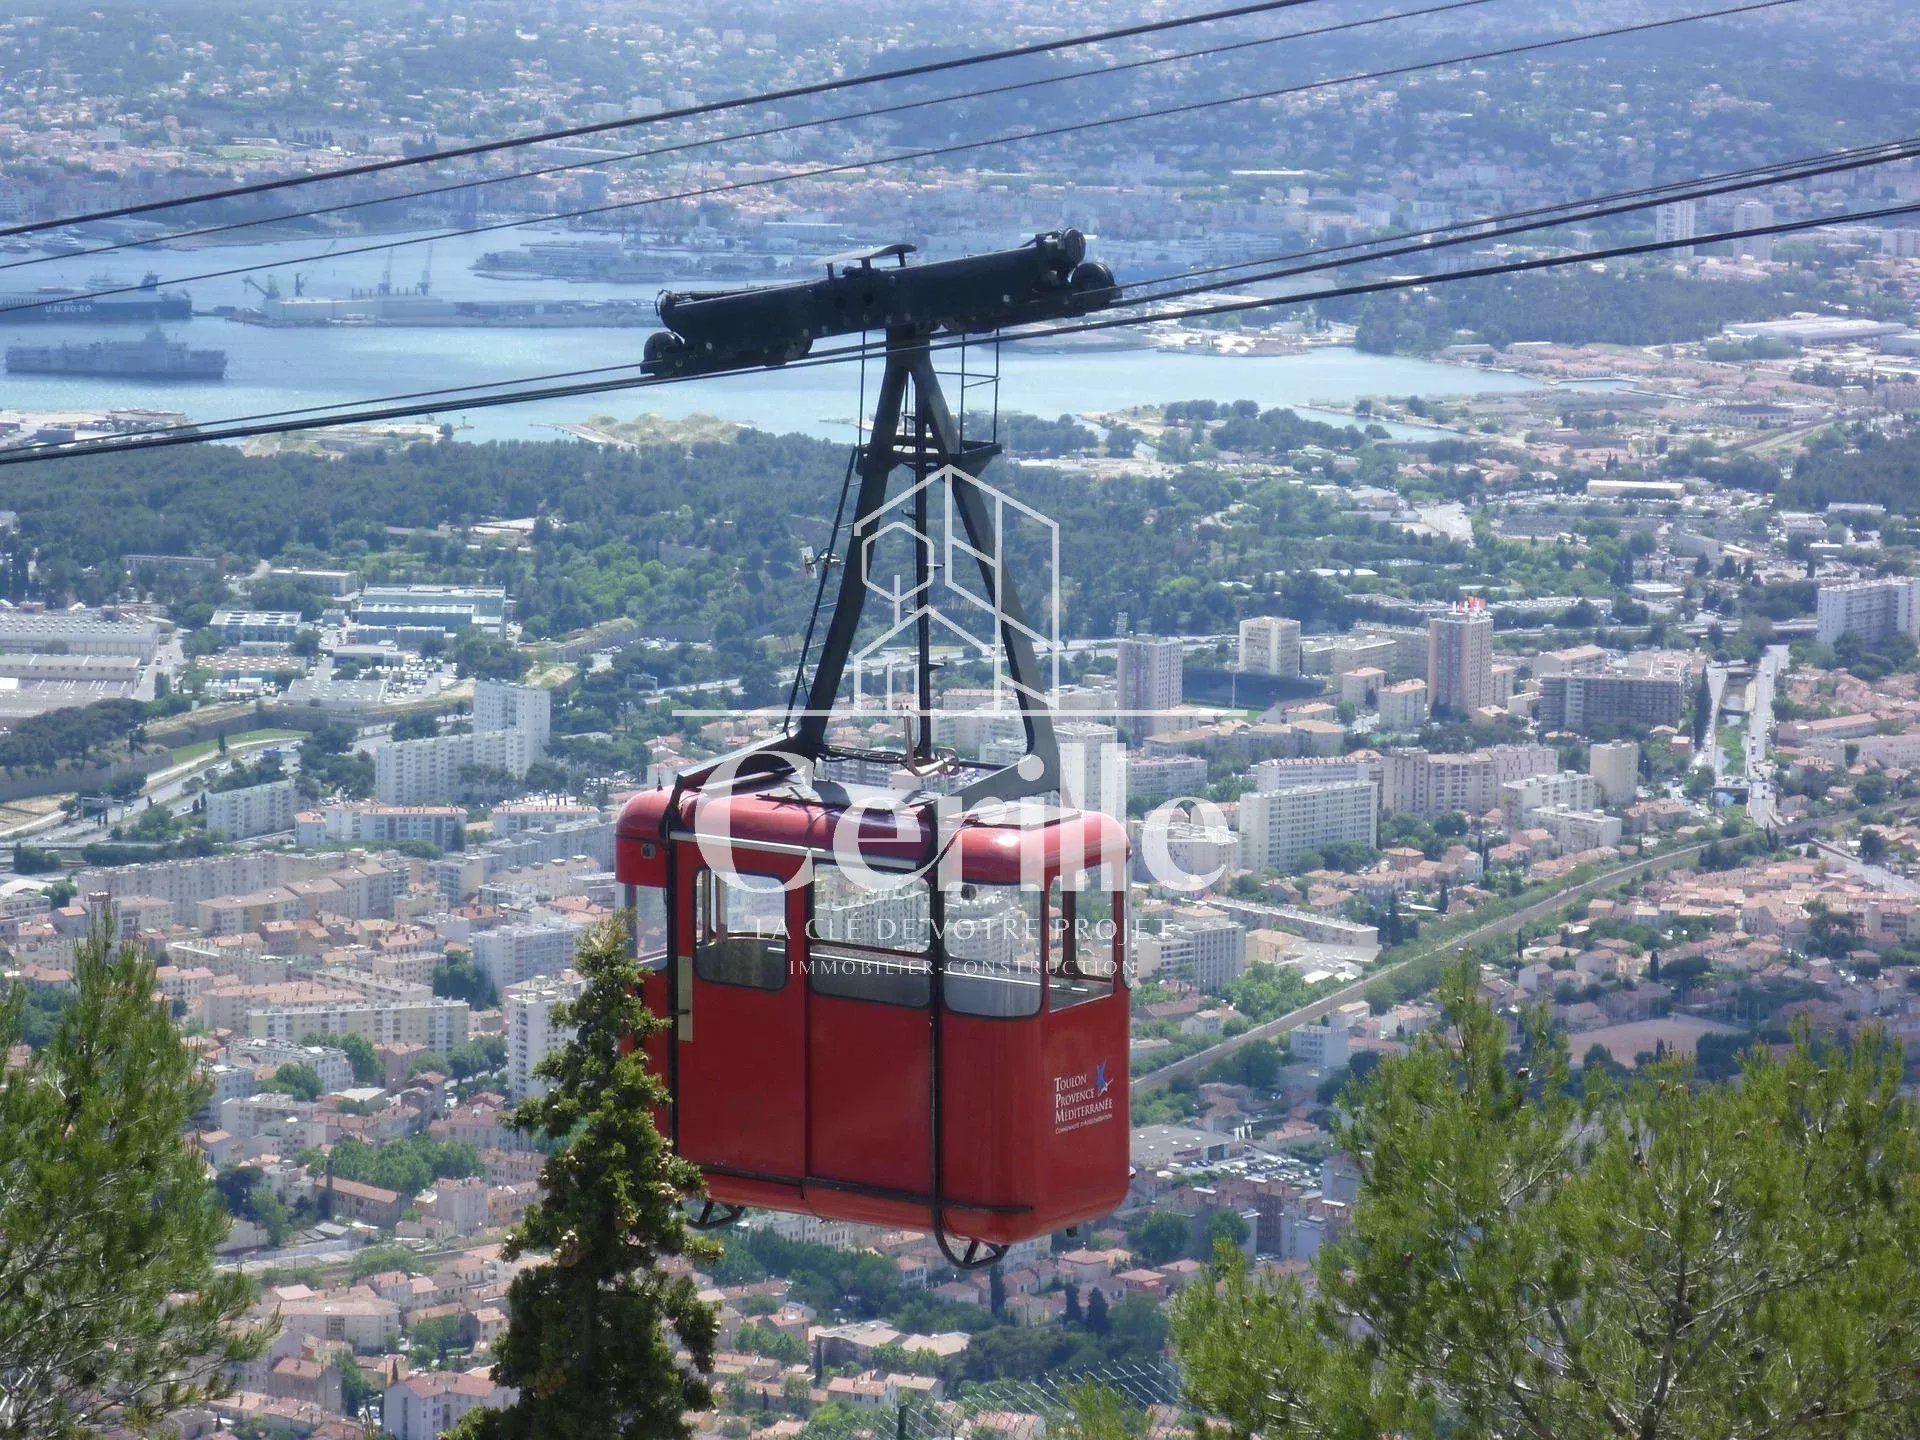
[145, 305]
[153, 358]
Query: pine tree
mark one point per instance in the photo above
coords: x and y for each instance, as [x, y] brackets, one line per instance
[593, 1329]
[1097, 1320]
[1653, 1258]
[1073, 1315]
[996, 1291]
[109, 1301]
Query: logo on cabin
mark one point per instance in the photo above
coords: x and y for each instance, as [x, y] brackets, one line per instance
[1081, 1100]
[958, 590]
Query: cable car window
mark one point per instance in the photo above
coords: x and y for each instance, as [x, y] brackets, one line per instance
[1082, 958]
[649, 921]
[995, 941]
[867, 944]
[741, 934]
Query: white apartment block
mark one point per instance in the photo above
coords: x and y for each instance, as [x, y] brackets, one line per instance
[1615, 767]
[1417, 782]
[1284, 774]
[252, 810]
[332, 1066]
[431, 769]
[1162, 777]
[1869, 609]
[1577, 830]
[1460, 659]
[184, 883]
[1362, 652]
[1093, 767]
[531, 1033]
[511, 726]
[1677, 221]
[498, 705]
[1403, 706]
[1210, 953]
[1277, 827]
[426, 1405]
[1197, 851]
[1562, 790]
[359, 823]
[1408, 660]
[1270, 646]
[1151, 683]
[522, 815]
[439, 1025]
[1325, 1047]
[513, 953]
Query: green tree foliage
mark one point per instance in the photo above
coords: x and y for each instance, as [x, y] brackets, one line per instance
[1651, 306]
[595, 1329]
[478, 1056]
[406, 1166]
[1660, 1260]
[1160, 1237]
[80, 734]
[459, 979]
[367, 1069]
[300, 1081]
[30, 860]
[109, 1300]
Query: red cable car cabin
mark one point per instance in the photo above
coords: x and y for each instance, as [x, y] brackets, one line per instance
[950, 1057]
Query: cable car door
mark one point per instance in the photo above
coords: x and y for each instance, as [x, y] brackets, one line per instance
[741, 1027]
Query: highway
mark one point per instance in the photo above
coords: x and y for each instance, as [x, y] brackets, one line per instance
[1761, 799]
[1327, 1004]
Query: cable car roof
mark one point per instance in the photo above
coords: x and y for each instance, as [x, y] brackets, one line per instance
[998, 845]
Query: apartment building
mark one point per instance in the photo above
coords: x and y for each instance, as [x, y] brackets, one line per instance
[1162, 777]
[1417, 782]
[1615, 767]
[1869, 610]
[511, 726]
[1206, 951]
[1290, 771]
[438, 1025]
[251, 810]
[1403, 706]
[1564, 789]
[1093, 767]
[365, 823]
[1277, 827]
[1150, 683]
[531, 1033]
[1583, 702]
[1270, 646]
[1460, 659]
[513, 953]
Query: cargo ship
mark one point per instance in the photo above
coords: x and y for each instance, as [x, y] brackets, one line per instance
[598, 261]
[412, 309]
[147, 305]
[152, 358]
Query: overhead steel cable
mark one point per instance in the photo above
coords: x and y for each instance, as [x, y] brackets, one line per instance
[1484, 226]
[242, 428]
[1444, 237]
[941, 151]
[734, 137]
[1477, 232]
[1754, 178]
[682, 112]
